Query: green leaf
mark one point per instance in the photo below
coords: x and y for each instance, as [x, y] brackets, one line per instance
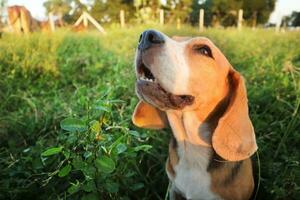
[66, 154]
[37, 163]
[78, 163]
[134, 133]
[90, 196]
[89, 172]
[105, 164]
[87, 154]
[72, 138]
[74, 187]
[137, 186]
[89, 186]
[72, 125]
[112, 187]
[121, 148]
[95, 126]
[144, 147]
[102, 108]
[52, 151]
[65, 171]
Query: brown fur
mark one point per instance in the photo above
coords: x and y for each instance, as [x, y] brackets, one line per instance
[220, 105]
[173, 158]
[156, 121]
[232, 180]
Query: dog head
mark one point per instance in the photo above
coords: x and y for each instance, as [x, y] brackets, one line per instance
[186, 74]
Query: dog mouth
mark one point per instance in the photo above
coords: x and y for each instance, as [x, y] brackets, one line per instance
[145, 74]
[149, 89]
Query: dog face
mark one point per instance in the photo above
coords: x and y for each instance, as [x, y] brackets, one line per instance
[191, 75]
[179, 74]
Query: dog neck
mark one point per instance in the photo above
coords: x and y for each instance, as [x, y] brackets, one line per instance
[196, 126]
[186, 127]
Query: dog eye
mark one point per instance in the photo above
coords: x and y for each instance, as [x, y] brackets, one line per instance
[204, 50]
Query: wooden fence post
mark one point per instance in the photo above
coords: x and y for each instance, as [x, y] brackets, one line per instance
[240, 19]
[178, 24]
[161, 17]
[51, 22]
[278, 24]
[85, 20]
[94, 22]
[201, 20]
[122, 18]
[79, 20]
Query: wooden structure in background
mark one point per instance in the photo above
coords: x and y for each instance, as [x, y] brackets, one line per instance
[161, 17]
[240, 19]
[278, 25]
[19, 19]
[201, 20]
[51, 22]
[82, 23]
[122, 18]
[178, 23]
[49, 25]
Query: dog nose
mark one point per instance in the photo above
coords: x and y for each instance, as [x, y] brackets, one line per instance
[150, 38]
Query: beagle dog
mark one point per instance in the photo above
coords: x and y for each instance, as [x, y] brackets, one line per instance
[188, 84]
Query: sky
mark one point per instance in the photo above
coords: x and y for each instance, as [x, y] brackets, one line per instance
[282, 8]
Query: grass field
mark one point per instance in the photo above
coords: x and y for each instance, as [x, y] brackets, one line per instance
[66, 105]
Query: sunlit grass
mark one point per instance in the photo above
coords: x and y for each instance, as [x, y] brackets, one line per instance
[46, 78]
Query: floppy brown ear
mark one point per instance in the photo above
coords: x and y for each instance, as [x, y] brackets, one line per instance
[234, 137]
[147, 116]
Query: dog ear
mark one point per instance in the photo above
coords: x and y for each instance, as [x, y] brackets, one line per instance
[234, 137]
[147, 116]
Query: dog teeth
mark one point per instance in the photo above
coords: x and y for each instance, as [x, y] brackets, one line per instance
[146, 79]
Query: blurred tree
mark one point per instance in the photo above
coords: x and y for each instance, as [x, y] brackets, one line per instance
[196, 6]
[295, 19]
[3, 4]
[257, 11]
[60, 8]
[216, 12]
[285, 21]
[109, 10]
[225, 12]
[77, 8]
[179, 9]
[147, 10]
[230, 17]
[194, 15]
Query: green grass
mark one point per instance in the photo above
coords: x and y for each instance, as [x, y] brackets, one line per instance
[66, 105]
